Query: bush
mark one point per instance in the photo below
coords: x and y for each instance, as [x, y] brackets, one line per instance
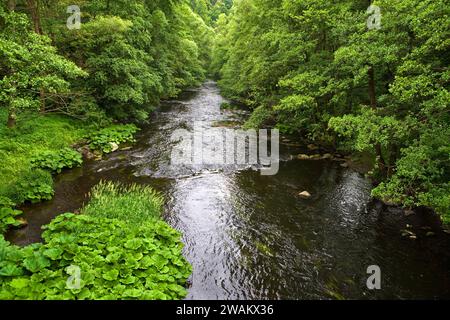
[7, 218]
[33, 186]
[422, 175]
[134, 257]
[135, 203]
[260, 117]
[8, 215]
[34, 134]
[56, 161]
[105, 139]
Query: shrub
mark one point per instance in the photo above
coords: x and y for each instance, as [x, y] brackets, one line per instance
[33, 186]
[33, 135]
[6, 202]
[7, 218]
[136, 257]
[136, 204]
[259, 118]
[56, 161]
[105, 139]
[116, 262]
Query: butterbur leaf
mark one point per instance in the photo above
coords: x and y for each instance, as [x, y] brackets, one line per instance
[19, 283]
[9, 220]
[53, 253]
[132, 293]
[111, 275]
[128, 280]
[146, 262]
[113, 257]
[159, 261]
[36, 263]
[133, 244]
[10, 270]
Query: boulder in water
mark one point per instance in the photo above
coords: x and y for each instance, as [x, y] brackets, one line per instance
[305, 195]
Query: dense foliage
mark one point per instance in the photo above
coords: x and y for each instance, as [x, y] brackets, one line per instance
[38, 146]
[314, 68]
[32, 186]
[56, 161]
[118, 257]
[29, 66]
[8, 218]
[136, 203]
[126, 56]
[105, 140]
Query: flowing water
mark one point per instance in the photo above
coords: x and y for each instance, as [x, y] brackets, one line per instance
[250, 236]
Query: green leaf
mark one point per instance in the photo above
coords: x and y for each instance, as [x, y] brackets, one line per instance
[19, 283]
[36, 263]
[111, 275]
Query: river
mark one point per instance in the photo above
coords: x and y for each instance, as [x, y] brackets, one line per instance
[250, 236]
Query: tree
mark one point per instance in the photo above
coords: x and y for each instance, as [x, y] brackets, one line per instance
[28, 64]
[315, 68]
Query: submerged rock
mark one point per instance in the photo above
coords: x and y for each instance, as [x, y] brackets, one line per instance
[303, 157]
[305, 195]
[114, 146]
[408, 234]
[86, 152]
[22, 223]
[315, 157]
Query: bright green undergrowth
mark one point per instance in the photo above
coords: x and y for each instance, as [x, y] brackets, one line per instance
[7, 218]
[56, 161]
[118, 258]
[34, 185]
[134, 203]
[39, 146]
[8, 215]
[34, 136]
[115, 262]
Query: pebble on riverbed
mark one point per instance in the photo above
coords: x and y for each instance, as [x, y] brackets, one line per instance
[305, 195]
[408, 234]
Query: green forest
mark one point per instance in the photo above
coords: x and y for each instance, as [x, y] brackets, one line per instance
[310, 68]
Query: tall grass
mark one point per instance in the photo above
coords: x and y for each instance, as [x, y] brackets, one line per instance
[135, 204]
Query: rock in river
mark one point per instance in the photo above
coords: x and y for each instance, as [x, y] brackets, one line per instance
[305, 195]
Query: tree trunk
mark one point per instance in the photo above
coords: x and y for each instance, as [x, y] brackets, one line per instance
[373, 104]
[372, 92]
[11, 5]
[33, 7]
[42, 98]
[12, 114]
[392, 159]
[11, 119]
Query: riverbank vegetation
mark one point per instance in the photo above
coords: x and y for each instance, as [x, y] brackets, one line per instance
[62, 86]
[78, 88]
[103, 253]
[314, 69]
[74, 90]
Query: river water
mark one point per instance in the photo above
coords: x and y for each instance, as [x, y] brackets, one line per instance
[250, 236]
